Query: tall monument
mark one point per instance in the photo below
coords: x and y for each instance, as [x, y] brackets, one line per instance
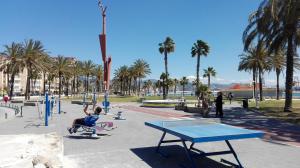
[106, 60]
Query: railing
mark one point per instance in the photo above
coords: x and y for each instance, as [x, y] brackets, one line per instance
[16, 108]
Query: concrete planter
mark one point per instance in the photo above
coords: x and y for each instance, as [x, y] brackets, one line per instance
[29, 103]
[80, 102]
[16, 101]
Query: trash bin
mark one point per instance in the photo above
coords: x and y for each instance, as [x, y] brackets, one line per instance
[245, 103]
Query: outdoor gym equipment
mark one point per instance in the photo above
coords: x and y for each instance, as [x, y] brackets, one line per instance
[93, 130]
[119, 116]
[106, 104]
[48, 107]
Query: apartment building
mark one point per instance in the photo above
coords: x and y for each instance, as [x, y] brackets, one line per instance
[37, 86]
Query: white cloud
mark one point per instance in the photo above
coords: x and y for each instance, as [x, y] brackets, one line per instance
[217, 80]
[191, 77]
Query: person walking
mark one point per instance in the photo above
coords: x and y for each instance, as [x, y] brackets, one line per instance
[219, 105]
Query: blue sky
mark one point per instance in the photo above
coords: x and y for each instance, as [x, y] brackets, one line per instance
[134, 29]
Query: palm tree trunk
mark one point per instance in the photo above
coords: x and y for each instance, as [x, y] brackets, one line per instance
[67, 88]
[59, 84]
[167, 74]
[44, 87]
[208, 82]
[277, 83]
[87, 83]
[27, 88]
[197, 70]
[260, 85]
[164, 89]
[7, 76]
[139, 86]
[254, 82]
[183, 90]
[12, 83]
[49, 86]
[73, 84]
[175, 89]
[27, 92]
[129, 86]
[77, 85]
[34, 83]
[289, 75]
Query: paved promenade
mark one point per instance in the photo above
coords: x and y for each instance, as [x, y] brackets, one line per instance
[131, 144]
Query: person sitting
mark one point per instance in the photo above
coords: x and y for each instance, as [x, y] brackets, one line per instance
[89, 120]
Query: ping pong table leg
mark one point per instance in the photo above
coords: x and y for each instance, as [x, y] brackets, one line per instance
[234, 154]
[160, 141]
[187, 151]
[191, 146]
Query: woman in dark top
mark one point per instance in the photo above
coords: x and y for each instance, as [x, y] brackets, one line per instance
[219, 105]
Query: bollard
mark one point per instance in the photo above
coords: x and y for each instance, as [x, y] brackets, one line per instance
[5, 115]
[21, 111]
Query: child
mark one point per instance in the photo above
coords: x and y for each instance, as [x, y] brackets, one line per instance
[89, 120]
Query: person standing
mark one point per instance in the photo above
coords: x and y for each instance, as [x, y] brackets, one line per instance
[219, 105]
[230, 97]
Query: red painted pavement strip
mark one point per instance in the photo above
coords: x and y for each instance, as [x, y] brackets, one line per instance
[166, 114]
[269, 136]
[274, 137]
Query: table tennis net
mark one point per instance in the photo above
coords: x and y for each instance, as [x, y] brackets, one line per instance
[179, 123]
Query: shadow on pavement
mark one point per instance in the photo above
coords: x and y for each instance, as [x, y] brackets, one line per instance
[33, 125]
[276, 130]
[176, 158]
[85, 136]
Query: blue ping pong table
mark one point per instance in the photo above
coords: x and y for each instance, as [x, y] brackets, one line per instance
[197, 131]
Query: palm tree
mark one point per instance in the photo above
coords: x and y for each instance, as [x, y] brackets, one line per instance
[88, 67]
[13, 63]
[142, 68]
[61, 68]
[255, 59]
[76, 72]
[66, 80]
[158, 85]
[170, 83]
[121, 75]
[48, 65]
[32, 57]
[35, 75]
[131, 75]
[209, 72]
[278, 22]
[99, 76]
[200, 48]
[175, 85]
[50, 77]
[278, 65]
[148, 85]
[184, 81]
[166, 47]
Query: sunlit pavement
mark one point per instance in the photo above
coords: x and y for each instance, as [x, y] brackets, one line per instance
[132, 144]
